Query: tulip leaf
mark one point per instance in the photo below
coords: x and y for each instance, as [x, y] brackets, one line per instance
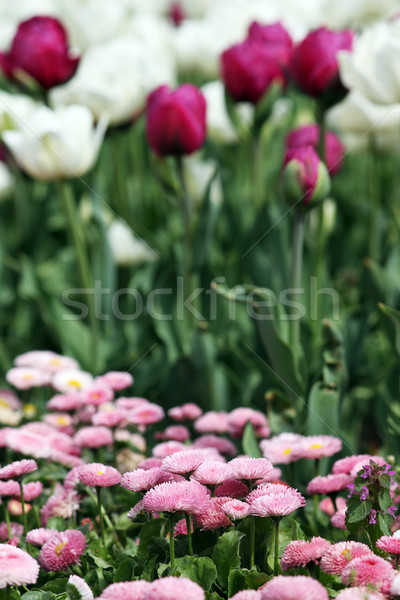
[249, 442]
[323, 410]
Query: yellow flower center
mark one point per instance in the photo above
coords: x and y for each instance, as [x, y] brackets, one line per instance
[29, 409]
[347, 553]
[95, 396]
[3, 403]
[55, 361]
[316, 446]
[59, 548]
[27, 376]
[62, 421]
[287, 451]
[74, 383]
[100, 472]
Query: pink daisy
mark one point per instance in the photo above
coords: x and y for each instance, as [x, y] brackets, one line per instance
[179, 433]
[360, 465]
[25, 378]
[16, 567]
[186, 412]
[338, 556]
[15, 507]
[71, 380]
[235, 509]
[276, 502]
[232, 488]
[150, 463]
[212, 422]
[369, 570]
[359, 593]
[129, 590]
[65, 402]
[141, 479]
[282, 449]
[238, 418]
[46, 360]
[109, 418]
[16, 530]
[222, 445]
[318, 446]
[181, 528]
[247, 595]
[147, 414]
[183, 462]
[390, 544]
[18, 468]
[62, 504]
[62, 550]
[329, 483]
[32, 490]
[130, 403]
[175, 496]
[173, 588]
[297, 587]
[8, 399]
[9, 488]
[97, 394]
[93, 437]
[213, 517]
[250, 469]
[116, 380]
[167, 448]
[61, 421]
[326, 506]
[72, 479]
[135, 510]
[38, 537]
[300, 552]
[78, 588]
[211, 473]
[346, 464]
[99, 475]
[65, 459]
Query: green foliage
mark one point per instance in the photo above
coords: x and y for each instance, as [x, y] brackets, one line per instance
[226, 555]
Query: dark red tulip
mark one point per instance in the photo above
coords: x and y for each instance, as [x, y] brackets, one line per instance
[176, 13]
[314, 65]
[40, 49]
[275, 37]
[176, 120]
[248, 70]
[308, 135]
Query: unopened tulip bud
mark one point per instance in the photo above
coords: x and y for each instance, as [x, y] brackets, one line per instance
[305, 177]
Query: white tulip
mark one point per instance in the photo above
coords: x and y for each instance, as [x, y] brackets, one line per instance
[373, 68]
[6, 181]
[13, 13]
[56, 144]
[15, 110]
[219, 125]
[114, 79]
[198, 174]
[126, 248]
[359, 121]
[357, 13]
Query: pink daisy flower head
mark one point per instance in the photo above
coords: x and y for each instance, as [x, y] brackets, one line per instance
[179, 433]
[297, 587]
[173, 588]
[8, 399]
[110, 418]
[93, 437]
[282, 449]
[135, 510]
[247, 595]
[65, 402]
[184, 462]
[213, 517]
[15, 507]
[62, 550]
[99, 475]
[78, 589]
[329, 483]
[359, 593]
[186, 412]
[16, 567]
[25, 378]
[369, 570]
[9, 488]
[235, 509]
[46, 360]
[167, 448]
[318, 446]
[211, 473]
[16, 530]
[116, 380]
[32, 490]
[175, 496]
[326, 506]
[232, 488]
[71, 380]
[238, 418]
[97, 394]
[62, 504]
[300, 552]
[147, 414]
[18, 468]
[277, 504]
[150, 463]
[221, 444]
[38, 537]
[65, 459]
[127, 403]
[250, 469]
[269, 488]
[346, 464]
[390, 544]
[212, 422]
[62, 421]
[141, 479]
[129, 590]
[181, 528]
[339, 555]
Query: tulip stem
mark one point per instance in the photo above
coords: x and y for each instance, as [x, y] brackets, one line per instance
[78, 239]
[296, 278]
[186, 216]
[374, 213]
[21, 487]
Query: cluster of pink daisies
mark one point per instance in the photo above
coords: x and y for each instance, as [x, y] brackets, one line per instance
[189, 471]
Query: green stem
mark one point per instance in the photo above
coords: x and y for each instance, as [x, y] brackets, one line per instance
[78, 239]
[171, 540]
[296, 278]
[374, 216]
[276, 548]
[252, 540]
[187, 217]
[98, 492]
[189, 533]
[7, 517]
[21, 487]
[257, 172]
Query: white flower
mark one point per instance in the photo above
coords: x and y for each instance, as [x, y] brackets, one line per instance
[71, 380]
[114, 79]
[373, 68]
[357, 13]
[126, 248]
[198, 175]
[395, 586]
[219, 125]
[6, 181]
[15, 110]
[56, 144]
[12, 13]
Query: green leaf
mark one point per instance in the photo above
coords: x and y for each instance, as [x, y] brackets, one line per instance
[201, 570]
[148, 572]
[385, 500]
[360, 512]
[226, 555]
[57, 586]
[98, 561]
[237, 581]
[151, 529]
[323, 410]
[35, 595]
[384, 522]
[250, 442]
[394, 316]
[254, 579]
[125, 570]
